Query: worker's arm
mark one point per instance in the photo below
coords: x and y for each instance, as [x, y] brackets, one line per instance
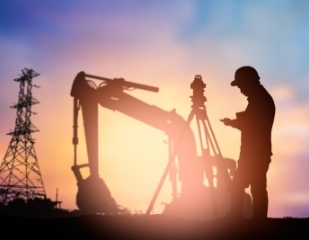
[240, 122]
[231, 122]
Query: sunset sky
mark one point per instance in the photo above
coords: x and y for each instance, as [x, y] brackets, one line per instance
[163, 44]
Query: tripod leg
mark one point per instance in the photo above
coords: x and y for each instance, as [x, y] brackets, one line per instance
[212, 191]
[216, 150]
[208, 169]
[173, 170]
[169, 164]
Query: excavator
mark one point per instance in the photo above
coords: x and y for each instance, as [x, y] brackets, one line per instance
[93, 195]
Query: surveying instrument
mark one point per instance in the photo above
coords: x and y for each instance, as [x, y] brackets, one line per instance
[208, 145]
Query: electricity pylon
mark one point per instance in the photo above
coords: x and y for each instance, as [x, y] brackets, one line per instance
[20, 175]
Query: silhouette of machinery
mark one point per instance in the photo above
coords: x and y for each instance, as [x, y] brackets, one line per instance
[208, 143]
[93, 194]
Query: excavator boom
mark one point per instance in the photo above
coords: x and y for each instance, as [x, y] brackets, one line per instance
[93, 192]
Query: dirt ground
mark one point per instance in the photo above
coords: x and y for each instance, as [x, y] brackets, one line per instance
[151, 227]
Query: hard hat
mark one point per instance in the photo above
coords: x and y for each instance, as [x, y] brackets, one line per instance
[245, 74]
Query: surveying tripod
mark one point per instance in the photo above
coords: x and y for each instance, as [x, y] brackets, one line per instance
[209, 140]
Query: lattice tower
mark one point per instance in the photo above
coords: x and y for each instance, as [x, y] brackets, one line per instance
[20, 175]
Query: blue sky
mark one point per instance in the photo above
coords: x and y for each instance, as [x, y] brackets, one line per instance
[165, 43]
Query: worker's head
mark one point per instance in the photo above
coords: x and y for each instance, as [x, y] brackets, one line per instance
[247, 79]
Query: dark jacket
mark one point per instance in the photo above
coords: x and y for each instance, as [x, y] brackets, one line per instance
[255, 124]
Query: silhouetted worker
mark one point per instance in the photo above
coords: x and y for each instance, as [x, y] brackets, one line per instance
[255, 124]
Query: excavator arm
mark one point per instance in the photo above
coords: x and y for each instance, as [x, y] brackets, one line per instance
[111, 95]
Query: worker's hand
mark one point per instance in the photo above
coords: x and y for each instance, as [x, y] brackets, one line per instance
[226, 121]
